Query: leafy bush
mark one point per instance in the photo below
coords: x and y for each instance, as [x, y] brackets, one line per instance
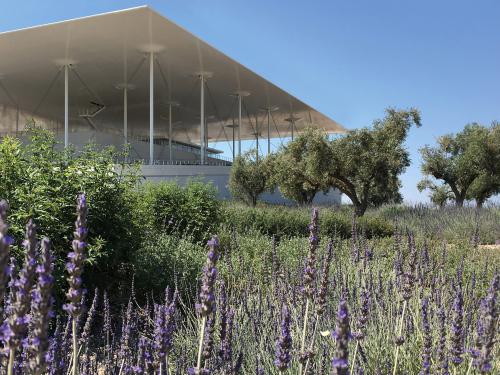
[164, 260]
[41, 181]
[191, 211]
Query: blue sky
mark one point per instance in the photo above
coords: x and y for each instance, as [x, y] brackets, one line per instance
[348, 59]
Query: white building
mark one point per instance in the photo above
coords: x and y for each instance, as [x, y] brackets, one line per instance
[135, 77]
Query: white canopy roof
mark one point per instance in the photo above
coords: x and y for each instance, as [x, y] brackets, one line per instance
[110, 49]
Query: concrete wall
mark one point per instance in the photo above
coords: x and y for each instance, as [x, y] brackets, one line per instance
[219, 177]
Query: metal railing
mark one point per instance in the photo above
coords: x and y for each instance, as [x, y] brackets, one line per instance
[214, 162]
[220, 159]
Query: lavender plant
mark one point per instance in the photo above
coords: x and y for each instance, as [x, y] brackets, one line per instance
[75, 270]
[248, 321]
[14, 330]
[41, 310]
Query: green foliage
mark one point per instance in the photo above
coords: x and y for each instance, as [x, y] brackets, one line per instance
[292, 222]
[164, 260]
[192, 210]
[468, 162]
[366, 163]
[439, 194]
[300, 167]
[42, 182]
[250, 177]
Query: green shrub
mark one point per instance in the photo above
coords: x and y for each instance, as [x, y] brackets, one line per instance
[42, 182]
[192, 211]
[288, 221]
[165, 259]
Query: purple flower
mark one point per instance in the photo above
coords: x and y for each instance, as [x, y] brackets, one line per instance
[208, 339]
[457, 332]
[5, 243]
[310, 268]
[441, 349]
[284, 343]
[207, 296]
[164, 326]
[342, 335]
[427, 348]
[488, 325]
[409, 275]
[85, 337]
[19, 318]
[323, 289]
[41, 310]
[76, 260]
[363, 314]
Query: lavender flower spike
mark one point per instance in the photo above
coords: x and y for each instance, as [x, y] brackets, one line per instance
[489, 319]
[342, 334]
[323, 289]
[427, 349]
[457, 331]
[16, 328]
[310, 270]
[41, 310]
[5, 242]
[284, 343]
[75, 270]
[207, 297]
[76, 259]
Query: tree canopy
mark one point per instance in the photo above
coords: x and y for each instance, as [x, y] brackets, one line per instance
[300, 167]
[467, 162]
[250, 177]
[366, 164]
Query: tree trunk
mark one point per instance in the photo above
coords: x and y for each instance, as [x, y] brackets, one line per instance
[254, 201]
[459, 201]
[359, 209]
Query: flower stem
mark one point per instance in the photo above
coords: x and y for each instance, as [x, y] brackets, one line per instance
[304, 332]
[311, 347]
[12, 355]
[470, 366]
[400, 330]
[354, 357]
[74, 370]
[200, 345]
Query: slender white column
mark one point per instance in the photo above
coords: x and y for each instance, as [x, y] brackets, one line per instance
[234, 150]
[257, 137]
[239, 124]
[293, 125]
[268, 131]
[170, 132]
[202, 119]
[66, 107]
[125, 114]
[151, 107]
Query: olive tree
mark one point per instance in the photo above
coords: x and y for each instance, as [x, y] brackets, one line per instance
[250, 177]
[438, 194]
[366, 163]
[467, 162]
[300, 167]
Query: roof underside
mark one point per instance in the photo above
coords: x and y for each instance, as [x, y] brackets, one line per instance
[109, 49]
